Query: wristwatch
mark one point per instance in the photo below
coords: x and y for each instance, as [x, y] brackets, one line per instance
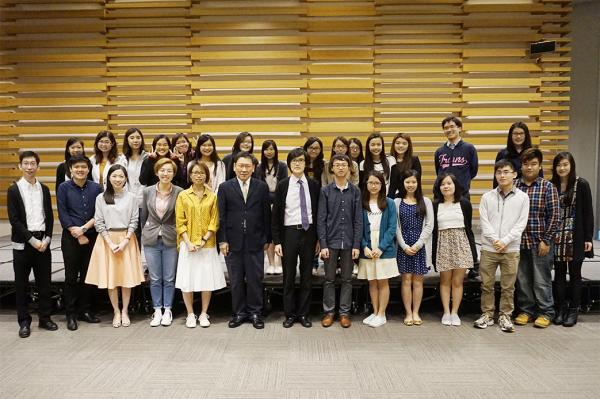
[84, 229]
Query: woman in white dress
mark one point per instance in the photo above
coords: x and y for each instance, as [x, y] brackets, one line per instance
[197, 221]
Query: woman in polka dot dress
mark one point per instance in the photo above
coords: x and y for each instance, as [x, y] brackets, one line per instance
[415, 225]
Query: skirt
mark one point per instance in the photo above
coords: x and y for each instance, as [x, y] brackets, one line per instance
[199, 271]
[110, 270]
[377, 269]
[453, 250]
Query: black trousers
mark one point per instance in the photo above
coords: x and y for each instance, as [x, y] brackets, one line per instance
[297, 243]
[246, 273]
[40, 262]
[77, 259]
[572, 294]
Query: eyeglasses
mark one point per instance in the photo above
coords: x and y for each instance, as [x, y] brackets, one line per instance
[27, 164]
[374, 183]
[340, 165]
[298, 161]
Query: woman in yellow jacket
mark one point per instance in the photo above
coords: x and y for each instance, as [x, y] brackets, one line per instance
[197, 221]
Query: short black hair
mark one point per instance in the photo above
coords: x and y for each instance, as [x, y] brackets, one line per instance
[245, 154]
[79, 159]
[437, 192]
[452, 118]
[503, 163]
[29, 154]
[531, 153]
[296, 153]
[339, 157]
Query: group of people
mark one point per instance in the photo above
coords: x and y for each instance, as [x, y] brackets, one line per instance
[186, 207]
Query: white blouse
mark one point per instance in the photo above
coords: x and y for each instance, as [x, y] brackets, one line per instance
[450, 216]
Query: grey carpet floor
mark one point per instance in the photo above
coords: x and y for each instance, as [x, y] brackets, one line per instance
[393, 361]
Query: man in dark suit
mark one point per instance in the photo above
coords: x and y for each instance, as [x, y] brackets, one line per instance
[295, 235]
[31, 219]
[244, 233]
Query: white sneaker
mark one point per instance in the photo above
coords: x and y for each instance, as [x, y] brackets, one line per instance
[355, 269]
[167, 318]
[455, 320]
[270, 270]
[156, 317]
[278, 270]
[378, 321]
[484, 321]
[446, 319]
[321, 270]
[203, 319]
[190, 321]
[369, 319]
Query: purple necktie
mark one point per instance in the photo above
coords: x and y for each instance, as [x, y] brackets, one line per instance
[303, 209]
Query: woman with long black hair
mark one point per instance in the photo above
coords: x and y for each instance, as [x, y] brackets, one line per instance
[244, 142]
[206, 152]
[73, 147]
[574, 241]
[517, 141]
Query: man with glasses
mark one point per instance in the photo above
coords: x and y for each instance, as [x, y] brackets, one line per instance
[503, 216]
[339, 228]
[295, 236]
[31, 219]
[244, 234]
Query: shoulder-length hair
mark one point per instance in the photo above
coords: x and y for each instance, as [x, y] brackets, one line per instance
[127, 150]
[112, 154]
[510, 145]
[214, 156]
[202, 166]
[264, 162]
[109, 193]
[381, 197]
[437, 193]
[318, 164]
[406, 163]
[70, 142]
[361, 156]
[421, 208]
[156, 140]
[571, 178]
[238, 140]
[368, 164]
[343, 140]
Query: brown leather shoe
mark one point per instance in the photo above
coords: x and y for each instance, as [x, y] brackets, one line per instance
[327, 320]
[345, 321]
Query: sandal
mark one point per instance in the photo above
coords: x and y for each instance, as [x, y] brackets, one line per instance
[408, 322]
[417, 322]
[117, 320]
[126, 322]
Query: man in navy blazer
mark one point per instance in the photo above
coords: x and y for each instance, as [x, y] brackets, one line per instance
[244, 233]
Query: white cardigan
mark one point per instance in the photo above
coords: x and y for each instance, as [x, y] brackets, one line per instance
[426, 231]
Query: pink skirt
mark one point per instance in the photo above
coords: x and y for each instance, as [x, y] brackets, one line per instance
[110, 270]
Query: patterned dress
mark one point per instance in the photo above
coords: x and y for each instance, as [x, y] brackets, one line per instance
[412, 225]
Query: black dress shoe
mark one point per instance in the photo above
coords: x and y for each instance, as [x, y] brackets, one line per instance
[571, 318]
[48, 325]
[257, 322]
[24, 331]
[71, 323]
[305, 322]
[473, 274]
[288, 322]
[236, 321]
[88, 317]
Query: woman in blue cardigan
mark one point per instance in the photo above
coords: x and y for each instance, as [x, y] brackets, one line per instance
[378, 245]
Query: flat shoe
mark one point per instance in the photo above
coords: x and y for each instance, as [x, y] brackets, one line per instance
[408, 322]
[126, 322]
[117, 321]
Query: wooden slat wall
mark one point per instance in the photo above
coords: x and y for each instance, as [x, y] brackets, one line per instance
[282, 69]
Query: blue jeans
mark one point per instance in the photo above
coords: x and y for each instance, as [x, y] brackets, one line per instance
[534, 283]
[162, 266]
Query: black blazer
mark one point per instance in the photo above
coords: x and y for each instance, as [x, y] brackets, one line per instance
[277, 222]
[584, 220]
[467, 211]
[233, 212]
[18, 218]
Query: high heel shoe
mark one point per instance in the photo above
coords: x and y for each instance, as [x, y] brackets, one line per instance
[125, 320]
[117, 320]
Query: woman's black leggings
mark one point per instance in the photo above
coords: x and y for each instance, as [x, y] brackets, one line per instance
[560, 283]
